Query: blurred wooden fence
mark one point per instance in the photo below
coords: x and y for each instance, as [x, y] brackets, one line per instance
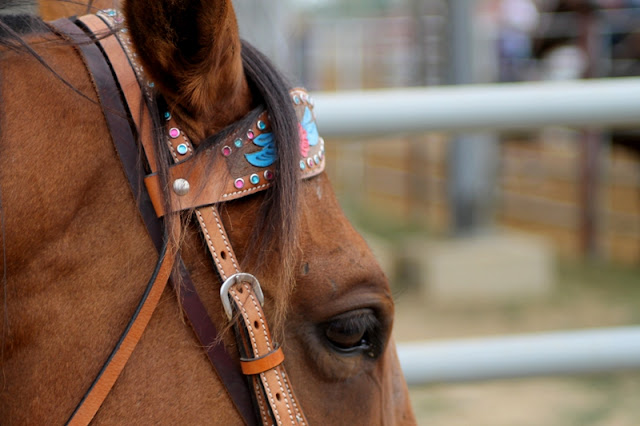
[405, 179]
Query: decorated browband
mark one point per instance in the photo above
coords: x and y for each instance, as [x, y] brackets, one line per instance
[241, 165]
[251, 156]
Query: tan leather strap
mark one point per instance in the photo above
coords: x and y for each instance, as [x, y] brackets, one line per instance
[274, 395]
[272, 388]
[103, 384]
[262, 364]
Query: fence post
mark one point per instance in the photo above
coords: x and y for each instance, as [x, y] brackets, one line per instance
[591, 145]
[472, 168]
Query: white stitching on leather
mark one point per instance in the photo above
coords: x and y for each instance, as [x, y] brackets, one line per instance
[274, 406]
[285, 394]
[247, 321]
[224, 239]
[293, 400]
[256, 353]
[212, 249]
[255, 188]
[263, 411]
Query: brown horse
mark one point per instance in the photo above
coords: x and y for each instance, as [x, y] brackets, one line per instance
[76, 255]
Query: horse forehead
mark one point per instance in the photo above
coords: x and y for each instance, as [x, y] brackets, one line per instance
[334, 255]
[324, 225]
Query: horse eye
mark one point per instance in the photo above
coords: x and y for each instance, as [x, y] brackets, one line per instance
[354, 332]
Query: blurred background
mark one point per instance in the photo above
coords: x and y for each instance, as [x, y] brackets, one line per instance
[484, 233]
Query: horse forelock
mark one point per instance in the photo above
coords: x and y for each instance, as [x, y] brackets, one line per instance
[274, 235]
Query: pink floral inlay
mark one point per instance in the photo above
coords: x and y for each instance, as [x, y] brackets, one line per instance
[304, 141]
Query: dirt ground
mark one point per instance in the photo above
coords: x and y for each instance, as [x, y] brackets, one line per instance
[585, 296]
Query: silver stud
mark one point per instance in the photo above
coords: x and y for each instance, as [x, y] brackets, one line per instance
[181, 187]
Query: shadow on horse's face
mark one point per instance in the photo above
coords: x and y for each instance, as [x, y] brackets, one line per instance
[78, 255]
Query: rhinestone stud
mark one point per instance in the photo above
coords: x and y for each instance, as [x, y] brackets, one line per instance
[174, 132]
[182, 149]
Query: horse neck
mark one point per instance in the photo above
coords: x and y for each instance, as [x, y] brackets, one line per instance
[193, 55]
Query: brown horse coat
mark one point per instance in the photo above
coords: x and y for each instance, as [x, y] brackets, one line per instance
[77, 255]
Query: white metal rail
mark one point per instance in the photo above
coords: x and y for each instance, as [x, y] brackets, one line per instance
[602, 102]
[544, 354]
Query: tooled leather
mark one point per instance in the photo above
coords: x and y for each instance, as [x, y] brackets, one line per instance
[203, 191]
[196, 169]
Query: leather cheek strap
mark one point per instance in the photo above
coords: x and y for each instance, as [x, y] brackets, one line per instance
[266, 362]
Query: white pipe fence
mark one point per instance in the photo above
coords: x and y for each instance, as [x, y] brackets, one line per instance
[601, 103]
[544, 354]
[588, 103]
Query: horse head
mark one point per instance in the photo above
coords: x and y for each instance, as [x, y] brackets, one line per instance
[77, 255]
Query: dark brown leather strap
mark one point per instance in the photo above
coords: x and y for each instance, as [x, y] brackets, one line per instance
[193, 307]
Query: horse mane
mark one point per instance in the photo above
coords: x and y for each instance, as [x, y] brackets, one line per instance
[275, 230]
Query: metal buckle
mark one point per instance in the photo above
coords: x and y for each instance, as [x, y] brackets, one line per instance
[233, 280]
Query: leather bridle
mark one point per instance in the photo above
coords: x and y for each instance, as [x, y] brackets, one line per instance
[260, 387]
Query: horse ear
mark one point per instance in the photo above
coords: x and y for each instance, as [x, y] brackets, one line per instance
[191, 50]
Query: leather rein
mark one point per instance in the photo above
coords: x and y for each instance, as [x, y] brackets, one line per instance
[260, 387]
